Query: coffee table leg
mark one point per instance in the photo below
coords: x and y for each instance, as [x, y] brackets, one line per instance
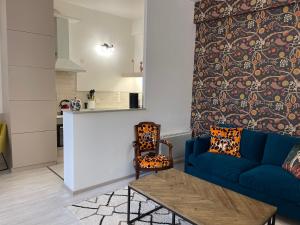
[173, 218]
[272, 220]
[128, 205]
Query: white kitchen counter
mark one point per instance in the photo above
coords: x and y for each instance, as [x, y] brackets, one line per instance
[99, 110]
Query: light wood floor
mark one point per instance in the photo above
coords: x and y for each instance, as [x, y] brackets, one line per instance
[38, 197]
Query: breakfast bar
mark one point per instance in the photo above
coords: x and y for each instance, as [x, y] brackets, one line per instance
[93, 156]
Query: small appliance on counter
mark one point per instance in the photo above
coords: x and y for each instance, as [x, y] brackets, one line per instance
[133, 100]
[75, 104]
[64, 105]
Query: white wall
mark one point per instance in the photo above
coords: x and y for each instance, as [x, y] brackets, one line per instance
[100, 143]
[138, 35]
[3, 60]
[1, 49]
[1, 96]
[103, 73]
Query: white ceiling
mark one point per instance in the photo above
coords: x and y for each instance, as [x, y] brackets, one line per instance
[132, 9]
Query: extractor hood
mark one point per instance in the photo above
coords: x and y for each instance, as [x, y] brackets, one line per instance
[63, 61]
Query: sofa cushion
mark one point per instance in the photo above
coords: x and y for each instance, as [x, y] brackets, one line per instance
[223, 166]
[253, 144]
[277, 148]
[292, 162]
[272, 181]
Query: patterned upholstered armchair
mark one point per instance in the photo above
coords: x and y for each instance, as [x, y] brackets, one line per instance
[146, 146]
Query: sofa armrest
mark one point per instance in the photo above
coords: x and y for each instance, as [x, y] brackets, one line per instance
[189, 148]
[201, 145]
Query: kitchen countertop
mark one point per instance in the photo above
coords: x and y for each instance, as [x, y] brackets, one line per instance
[103, 110]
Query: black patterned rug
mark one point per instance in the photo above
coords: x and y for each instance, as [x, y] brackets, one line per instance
[111, 209]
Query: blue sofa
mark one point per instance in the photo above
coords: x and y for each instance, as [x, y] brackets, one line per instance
[258, 174]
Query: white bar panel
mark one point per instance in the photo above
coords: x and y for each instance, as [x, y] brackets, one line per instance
[35, 16]
[28, 83]
[33, 116]
[34, 148]
[25, 49]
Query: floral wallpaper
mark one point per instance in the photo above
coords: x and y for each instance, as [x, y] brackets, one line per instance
[247, 65]
[214, 9]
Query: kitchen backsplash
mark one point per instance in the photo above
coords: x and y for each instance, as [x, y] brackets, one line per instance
[66, 88]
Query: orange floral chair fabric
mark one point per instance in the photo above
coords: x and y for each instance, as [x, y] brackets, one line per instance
[146, 146]
[148, 136]
[225, 141]
[157, 161]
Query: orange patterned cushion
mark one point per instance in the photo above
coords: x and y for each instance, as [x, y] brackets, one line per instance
[157, 161]
[225, 141]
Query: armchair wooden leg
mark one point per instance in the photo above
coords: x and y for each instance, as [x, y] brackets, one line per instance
[137, 174]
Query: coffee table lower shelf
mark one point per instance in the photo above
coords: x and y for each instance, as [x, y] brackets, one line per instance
[271, 221]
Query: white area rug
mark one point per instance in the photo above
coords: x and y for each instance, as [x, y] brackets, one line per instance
[111, 209]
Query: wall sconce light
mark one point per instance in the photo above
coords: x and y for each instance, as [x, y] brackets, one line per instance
[105, 49]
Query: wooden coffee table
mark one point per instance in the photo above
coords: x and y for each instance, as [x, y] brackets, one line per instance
[199, 202]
